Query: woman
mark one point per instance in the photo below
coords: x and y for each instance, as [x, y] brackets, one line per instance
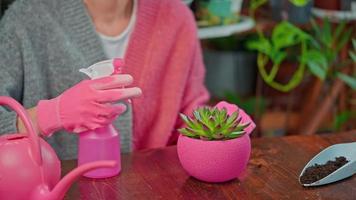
[45, 42]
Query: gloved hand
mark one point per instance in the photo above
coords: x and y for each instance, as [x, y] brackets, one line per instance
[86, 106]
[231, 108]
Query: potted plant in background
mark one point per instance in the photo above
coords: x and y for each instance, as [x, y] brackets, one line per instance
[316, 54]
[286, 38]
[273, 52]
[215, 144]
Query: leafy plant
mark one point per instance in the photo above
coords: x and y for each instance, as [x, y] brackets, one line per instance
[210, 123]
[318, 52]
[285, 35]
[328, 43]
[350, 80]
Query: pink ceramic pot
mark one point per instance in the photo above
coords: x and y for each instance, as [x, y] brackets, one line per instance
[214, 161]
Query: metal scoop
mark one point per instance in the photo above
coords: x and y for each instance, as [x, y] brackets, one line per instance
[348, 150]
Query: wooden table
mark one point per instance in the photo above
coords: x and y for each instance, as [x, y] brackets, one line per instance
[272, 173]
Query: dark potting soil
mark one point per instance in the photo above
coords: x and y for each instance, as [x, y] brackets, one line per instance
[317, 172]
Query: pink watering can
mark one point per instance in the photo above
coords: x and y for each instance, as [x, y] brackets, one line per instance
[30, 168]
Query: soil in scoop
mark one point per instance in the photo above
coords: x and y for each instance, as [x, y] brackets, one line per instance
[317, 172]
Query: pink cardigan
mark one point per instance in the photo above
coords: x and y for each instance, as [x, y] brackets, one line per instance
[164, 57]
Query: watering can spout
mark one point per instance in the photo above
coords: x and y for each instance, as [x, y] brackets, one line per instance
[63, 185]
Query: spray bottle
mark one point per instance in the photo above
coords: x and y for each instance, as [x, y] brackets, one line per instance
[102, 143]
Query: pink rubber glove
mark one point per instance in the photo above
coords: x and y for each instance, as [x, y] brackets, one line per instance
[231, 108]
[86, 106]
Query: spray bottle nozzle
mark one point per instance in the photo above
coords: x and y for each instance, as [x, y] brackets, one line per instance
[105, 68]
[118, 64]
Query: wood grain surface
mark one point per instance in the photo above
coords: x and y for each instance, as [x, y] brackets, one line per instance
[272, 173]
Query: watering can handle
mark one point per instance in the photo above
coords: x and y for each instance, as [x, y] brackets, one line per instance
[34, 140]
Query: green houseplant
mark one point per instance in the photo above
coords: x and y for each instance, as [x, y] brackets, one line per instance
[274, 49]
[318, 53]
[215, 144]
[212, 124]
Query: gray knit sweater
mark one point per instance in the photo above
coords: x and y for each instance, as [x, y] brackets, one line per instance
[43, 44]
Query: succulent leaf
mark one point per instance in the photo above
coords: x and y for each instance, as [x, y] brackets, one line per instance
[185, 119]
[233, 119]
[186, 132]
[197, 115]
[237, 133]
[197, 131]
[213, 124]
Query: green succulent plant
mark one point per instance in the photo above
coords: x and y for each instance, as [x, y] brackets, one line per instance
[210, 123]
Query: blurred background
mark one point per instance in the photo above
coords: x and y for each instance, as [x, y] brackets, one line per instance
[290, 64]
